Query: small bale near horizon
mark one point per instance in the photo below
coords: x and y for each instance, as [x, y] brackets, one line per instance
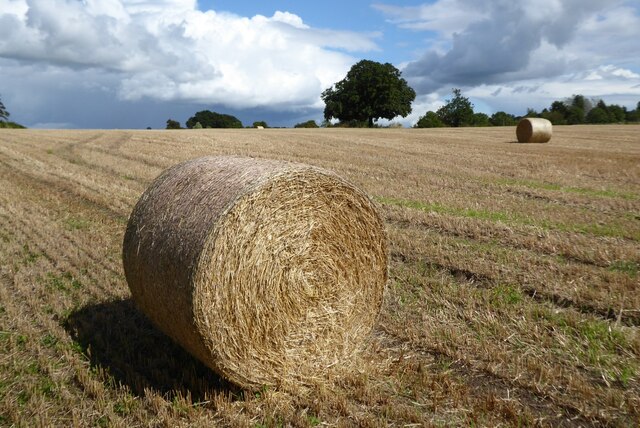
[269, 272]
[534, 130]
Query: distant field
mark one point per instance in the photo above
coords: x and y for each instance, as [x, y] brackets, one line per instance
[514, 294]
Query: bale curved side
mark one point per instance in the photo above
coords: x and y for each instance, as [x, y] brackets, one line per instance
[269, 272]
[534, 130]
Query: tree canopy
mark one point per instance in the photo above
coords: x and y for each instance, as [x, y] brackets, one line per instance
[370, 91]
[173, 124]
[308, 124]
[458, 111]
[501, 118]
[209, 119]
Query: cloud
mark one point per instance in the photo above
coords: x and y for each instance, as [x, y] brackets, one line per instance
[170, 50]
[445, 17]
[492, 42]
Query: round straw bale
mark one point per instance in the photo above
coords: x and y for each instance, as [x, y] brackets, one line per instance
[269, 272]
[533, 130]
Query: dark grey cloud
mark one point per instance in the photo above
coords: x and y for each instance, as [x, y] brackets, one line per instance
[500, 46]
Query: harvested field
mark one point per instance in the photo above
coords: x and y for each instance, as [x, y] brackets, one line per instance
[513, 299]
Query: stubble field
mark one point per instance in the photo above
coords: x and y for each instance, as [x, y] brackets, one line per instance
[513, 299]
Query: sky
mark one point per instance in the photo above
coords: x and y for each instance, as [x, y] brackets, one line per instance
[136, 63]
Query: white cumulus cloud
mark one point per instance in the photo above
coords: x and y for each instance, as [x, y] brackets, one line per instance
[170, 50]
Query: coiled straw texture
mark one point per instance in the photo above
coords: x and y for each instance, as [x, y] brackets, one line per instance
[268, 272]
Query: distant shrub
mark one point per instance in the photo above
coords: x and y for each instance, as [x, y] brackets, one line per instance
[173, 124]
[501, 118]
[210, 119]
[198, 125]
[429, 120]
[307, 124]
[260, 123]
[11, 125]
[480, 119]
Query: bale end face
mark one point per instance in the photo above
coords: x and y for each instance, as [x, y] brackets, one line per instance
[534, 130]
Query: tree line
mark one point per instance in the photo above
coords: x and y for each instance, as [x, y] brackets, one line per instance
[580, 109]
[577, 109]
[209, 119]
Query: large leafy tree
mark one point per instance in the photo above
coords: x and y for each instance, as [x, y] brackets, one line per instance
[4, 114]
[210, 119]
[458, 111]
[370, 91]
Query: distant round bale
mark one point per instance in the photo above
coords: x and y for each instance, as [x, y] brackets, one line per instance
[534, 130]
[269, 272]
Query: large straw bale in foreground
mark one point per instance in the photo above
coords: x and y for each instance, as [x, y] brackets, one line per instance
[269, 272]
[534, 130]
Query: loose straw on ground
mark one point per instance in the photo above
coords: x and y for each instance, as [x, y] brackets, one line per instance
[269, 272]
[534, 130]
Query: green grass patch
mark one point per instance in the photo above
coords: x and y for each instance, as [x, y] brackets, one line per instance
[612, 230]
[532, 184]
[23, 398]
[595, 341]
[125, 405]
[47, 388]
[29, 256]
[442, 209]
[48, 341]
[21, 340]
[33, 368]
[313, 420]
[600, 334]
[73, 223]
[624, 375]
[506, 295]
[608, 230]
[64, 282]
[625, 266]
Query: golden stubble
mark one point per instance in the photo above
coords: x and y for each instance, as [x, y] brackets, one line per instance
[513, 291]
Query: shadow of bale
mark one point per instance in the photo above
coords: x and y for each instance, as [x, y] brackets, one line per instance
[120, 339]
